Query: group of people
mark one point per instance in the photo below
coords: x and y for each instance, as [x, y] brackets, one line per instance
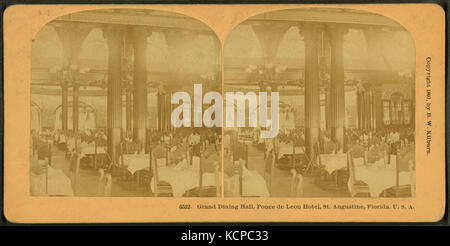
[381, 144]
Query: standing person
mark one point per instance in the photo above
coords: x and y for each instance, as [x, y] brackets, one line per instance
[76, 151]
[35, 141]
[70, 148]
[276, 148]
[195, 143]
[190, 140]
[212, 138]
[238, 152]
[269, 160]
[365, 142]
[56, 137]
[227, 143]
[43, 151]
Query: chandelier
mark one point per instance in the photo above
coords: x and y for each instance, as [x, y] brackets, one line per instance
[265, 75]
[69, 75]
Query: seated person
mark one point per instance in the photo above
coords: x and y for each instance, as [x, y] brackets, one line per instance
[238, 150]
[209, 159]
[228, 165]
[159, 151]
[178, 155]
[129, 146]
[405, 158]
[101, 139]
[43, 151]
[357, 150]
[374, 154]
[329, 147]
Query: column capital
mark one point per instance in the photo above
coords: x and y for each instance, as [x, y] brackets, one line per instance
[113, 34]
[305, 28]
[72, 36]
[269, 35]
[64, 84]
[138, 34]
[76, 85]
[270, 27]
[336, 31]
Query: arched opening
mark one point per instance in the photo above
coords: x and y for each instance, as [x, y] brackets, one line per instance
[35, 117]
[87, 117]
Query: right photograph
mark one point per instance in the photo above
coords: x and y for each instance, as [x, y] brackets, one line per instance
[319, 102]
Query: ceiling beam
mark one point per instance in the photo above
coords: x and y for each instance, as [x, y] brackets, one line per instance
[355, 19]
[158, 22]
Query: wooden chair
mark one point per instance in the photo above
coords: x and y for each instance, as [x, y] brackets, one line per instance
[397, 191]
[162, 188]
[206, 191]
[400, 190]
[239, 172]
[359, 187]
[313, 163]
[49, 163]
[296, 183]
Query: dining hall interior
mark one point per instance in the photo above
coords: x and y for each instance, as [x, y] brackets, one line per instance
[101, 101]
[345, 81]
[101, 88]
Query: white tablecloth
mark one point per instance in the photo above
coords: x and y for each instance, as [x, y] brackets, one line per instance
[89, 149]
[183, 177]
[380, 177]
[136, 162]
[333, 162]
[58, 184]
[286, 149]
[253, 184]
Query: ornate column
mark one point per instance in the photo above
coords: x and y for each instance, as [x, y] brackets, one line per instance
[378, 108]
[328, 106]
[127, 83]
[360, 102]
[64, 106]
[372, 108]
[76, 107]
[168, 111]
[129, 110]
[138, 35]
[163, 105]
[311, 34]
[367, 111]
[337, 95]
[114, 37]
[159, 113]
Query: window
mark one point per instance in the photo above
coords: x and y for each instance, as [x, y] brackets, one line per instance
[386, 118]
[406, 114]
[396, 111]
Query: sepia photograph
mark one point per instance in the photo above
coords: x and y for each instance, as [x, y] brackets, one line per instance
[186, 113]
[101, 90]
[345, 84]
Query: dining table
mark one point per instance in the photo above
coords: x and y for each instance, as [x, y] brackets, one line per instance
[380, 176]
[52, 182]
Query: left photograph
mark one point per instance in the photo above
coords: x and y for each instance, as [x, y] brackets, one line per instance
[123, 104]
